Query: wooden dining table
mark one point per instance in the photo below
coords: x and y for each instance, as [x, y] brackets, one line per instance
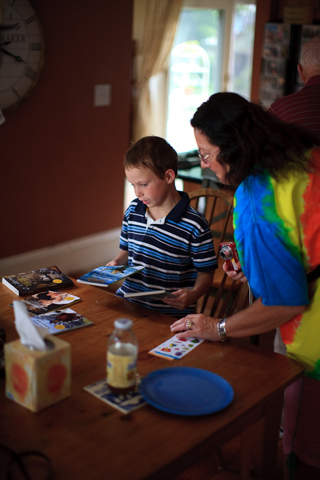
[85, 438]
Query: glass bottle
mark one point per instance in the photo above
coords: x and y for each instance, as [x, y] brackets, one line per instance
[122, 353]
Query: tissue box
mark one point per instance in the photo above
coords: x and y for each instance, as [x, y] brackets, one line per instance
[38, 378]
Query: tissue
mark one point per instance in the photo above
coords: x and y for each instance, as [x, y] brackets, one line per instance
[30, 335]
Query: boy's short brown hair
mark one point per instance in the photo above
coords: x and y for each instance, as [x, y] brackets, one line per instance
[154, 153]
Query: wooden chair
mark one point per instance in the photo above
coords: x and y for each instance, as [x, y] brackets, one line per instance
[217, 207]
[226, 296]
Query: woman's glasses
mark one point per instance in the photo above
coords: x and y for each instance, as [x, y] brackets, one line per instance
[203, 158]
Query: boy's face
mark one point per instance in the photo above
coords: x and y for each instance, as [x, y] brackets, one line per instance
[149, 188]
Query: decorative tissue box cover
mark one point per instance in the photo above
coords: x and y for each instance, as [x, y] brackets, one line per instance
[38, 378]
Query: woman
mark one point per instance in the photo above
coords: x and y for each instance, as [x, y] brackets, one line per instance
[275, 167]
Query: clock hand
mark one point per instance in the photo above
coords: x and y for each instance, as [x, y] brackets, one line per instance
[17, 57]
[5, 43]
[8, 27]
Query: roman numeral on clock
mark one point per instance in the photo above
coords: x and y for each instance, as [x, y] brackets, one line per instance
[15, 92]
[30, 73]
[30, 19]
[36, 46]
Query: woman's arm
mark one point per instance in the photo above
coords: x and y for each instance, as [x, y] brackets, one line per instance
[254, 320]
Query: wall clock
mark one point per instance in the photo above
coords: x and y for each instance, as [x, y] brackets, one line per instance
[21, 51]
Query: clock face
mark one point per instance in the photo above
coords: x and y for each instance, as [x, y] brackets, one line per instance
[21, 51]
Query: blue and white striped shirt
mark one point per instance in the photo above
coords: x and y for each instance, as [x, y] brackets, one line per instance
[172, 250]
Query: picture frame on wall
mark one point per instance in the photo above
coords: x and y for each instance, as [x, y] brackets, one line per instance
[270, 50]
[309, 31]
[275, 52]
[275, 67]
[277, 33]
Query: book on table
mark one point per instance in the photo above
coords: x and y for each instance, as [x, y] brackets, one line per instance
[149, 294]
[60, 321]
[106, 275]
[28, 283]
[49, 300]
[125, 403]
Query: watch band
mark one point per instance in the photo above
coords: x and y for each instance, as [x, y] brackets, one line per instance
[221, 329]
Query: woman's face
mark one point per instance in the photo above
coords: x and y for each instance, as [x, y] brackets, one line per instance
[209, 154]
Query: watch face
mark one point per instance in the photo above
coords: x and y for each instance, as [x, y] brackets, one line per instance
[21, 51]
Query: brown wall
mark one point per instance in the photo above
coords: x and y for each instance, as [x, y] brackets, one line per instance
[61, 157]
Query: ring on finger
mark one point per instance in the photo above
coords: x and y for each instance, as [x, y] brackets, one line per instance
[189, 324]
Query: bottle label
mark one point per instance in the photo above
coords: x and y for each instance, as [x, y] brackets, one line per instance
[121, 370]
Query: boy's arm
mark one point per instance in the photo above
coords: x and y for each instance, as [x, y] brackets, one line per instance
[202, 284]
[120, 259]
[185, 297]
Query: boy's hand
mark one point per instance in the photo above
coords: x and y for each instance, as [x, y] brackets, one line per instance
[182, 299]
[120, 259]
[113, 263]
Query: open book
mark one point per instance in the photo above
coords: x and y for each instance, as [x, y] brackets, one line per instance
[150, 293]
[44, 302]
[104, 276]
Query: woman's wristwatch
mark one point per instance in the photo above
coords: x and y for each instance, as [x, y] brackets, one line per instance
[221, 329]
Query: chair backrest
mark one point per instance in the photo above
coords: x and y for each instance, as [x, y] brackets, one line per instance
[217, 207]
[222, 301]
[226, 296]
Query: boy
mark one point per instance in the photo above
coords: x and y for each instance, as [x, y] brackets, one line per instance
[162, 232]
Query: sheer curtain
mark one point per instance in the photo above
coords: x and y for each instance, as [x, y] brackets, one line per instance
[155, 23]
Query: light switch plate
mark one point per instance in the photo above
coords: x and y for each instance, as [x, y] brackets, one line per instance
[102, 95]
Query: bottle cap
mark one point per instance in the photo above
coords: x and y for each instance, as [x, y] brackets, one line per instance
[123, 323]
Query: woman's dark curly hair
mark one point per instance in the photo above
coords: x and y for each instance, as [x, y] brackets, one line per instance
[252, 140]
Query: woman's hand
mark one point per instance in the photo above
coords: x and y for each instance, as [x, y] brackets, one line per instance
[200, 326]
[235, 274]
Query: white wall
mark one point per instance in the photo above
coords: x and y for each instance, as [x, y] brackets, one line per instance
[78, 255]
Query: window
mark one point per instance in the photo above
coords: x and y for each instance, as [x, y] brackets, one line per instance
[242, 49]
[212, 52]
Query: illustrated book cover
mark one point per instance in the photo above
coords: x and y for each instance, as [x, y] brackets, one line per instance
[28, 283]
[125, 403]
[104, 276]
[48, 300]
[60, 321]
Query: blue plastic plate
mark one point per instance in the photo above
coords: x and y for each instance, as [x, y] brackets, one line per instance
[186, 391]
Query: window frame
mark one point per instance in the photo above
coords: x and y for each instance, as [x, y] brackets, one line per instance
[227, 6]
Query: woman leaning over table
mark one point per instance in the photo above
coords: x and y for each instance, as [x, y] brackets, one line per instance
[276, 168]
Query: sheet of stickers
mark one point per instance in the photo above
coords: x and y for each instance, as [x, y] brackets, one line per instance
[175, 348]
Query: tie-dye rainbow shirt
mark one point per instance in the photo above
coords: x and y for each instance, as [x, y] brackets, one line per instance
[277, 233]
